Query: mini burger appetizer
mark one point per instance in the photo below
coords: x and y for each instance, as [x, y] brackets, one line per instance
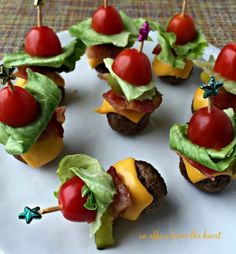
[207, 144]
[43, 53]
[179, 43]
[87, 193]
[133, 96]
[224, 68]
[106, 34]
[30, 122]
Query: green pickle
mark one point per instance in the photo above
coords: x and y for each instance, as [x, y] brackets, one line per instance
[104, 236]
[114, 85]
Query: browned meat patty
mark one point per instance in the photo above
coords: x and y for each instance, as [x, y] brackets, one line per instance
[153, 182]
[18, 157]
[172, 80]
[101, 68]
[124, 125]
[207, 185]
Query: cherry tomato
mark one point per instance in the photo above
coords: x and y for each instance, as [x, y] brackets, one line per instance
[226, 62]
[17, 108]
[43, 42]
[107, 20]
[183, 27]
[133, 66]
[211, 130]
[225, 100]
[70, 197]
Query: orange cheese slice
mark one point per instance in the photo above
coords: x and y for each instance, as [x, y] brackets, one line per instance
[165, 69]
[43, 151]
[141, 198]
[131, 115]
[198, 100]
[196, 176]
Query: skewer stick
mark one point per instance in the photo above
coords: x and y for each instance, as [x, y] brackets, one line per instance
[30, 214]
[210, 90]
[184, 7]
[10, 84]
[39, 4]
[39, 9]
[210, 103]
[140, 49]
[50, 209]
[105, 3]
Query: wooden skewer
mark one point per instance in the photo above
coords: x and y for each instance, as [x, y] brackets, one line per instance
[50, 209]
[210, 104]
[140, 49]
[39, 9]
[184, 7]
[10, 84]
[105, 3]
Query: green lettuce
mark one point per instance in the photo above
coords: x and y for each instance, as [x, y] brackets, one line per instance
[98, 181]
[131, 92]
[217, 160]
[126, 38]
[63, 62]
[19, 140]
[208, 67]
[190, 51]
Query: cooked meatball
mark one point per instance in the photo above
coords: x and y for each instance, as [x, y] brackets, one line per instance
[101, 68]
[19, 158]
[124, 125]
[172, 80]
[207, 185]
[101, 52]
[153, 182]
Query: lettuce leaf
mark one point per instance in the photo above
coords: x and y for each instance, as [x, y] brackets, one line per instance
[131, 92]
[48, 95]
[190, 51]
[90, 37]
[63, 62]
[91, 172]
[216, 160]
[208, 68]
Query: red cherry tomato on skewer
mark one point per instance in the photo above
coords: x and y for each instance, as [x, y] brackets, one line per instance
[183, 27]
[42, 41]
[211, 130]
[70, 197]
[107, 20]
[133, 66]
[17, 108]
[226, 62]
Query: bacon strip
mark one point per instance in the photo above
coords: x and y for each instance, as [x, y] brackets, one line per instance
[122, 199]
[60, 114]
[119, 103]
[55, 125]
[103, 51]
[157, 49]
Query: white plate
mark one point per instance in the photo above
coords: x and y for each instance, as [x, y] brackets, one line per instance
[184, 210]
